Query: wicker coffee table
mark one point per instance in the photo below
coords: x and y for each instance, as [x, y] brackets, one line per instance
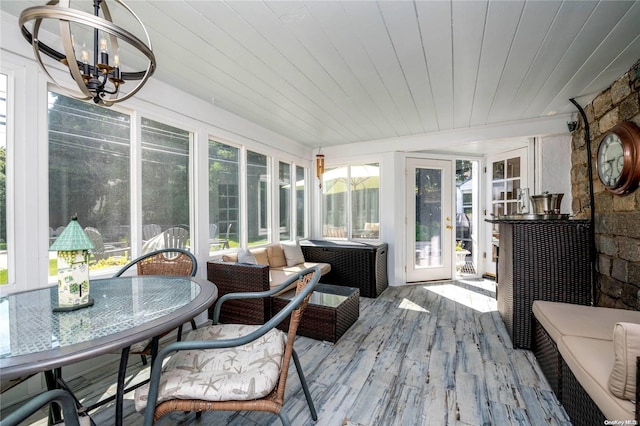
[331, 311]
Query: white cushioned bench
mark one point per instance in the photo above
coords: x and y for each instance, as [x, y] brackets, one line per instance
[576, 347]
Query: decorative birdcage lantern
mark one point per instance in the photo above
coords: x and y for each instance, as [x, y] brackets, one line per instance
[73, 247]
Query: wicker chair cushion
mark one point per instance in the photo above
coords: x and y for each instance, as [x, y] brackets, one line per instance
[293, 253]
[565, 319]
[279, 275]
[591, 362]
[626, 347]
[243, 373]
[276, 256]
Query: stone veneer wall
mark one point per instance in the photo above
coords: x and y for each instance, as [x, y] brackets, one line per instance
[617, 218]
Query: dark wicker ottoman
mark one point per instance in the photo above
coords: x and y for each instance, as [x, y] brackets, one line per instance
[331, 311]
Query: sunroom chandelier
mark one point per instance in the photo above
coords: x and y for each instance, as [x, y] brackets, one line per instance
[97, 77]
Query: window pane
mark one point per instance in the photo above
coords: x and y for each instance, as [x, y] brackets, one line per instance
[165, 183]
[224, 202]
[300, 216]
[365, 190]
[334, 206]
[284, 185]
[89, 176]
[513, 167]
[257, 199]
[4, 271]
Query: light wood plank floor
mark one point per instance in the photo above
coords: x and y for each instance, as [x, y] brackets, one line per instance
[423, 354]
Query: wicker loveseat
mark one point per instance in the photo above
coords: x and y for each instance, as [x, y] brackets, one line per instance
[258, 269]
[590, 357]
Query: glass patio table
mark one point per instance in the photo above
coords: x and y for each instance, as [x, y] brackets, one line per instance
[126, 310]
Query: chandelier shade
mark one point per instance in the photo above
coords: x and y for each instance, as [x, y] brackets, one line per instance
[96, 78]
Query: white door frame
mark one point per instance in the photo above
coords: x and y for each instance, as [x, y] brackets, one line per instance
[444, 268]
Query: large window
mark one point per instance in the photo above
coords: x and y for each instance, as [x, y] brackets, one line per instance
[165, 184]
[224, 199]
[351, 200]
[89, 176]
[301, 213]
[4, 268]
[258, 197]
[284, 187]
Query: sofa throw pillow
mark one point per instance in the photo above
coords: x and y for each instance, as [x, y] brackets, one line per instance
[626, 347]
[293, 253]
[245, 256]
[276, 256]
[262, 258]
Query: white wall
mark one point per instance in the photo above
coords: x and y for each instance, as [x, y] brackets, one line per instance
[553, 168]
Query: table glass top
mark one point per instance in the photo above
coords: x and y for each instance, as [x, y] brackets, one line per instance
[28, 324]
[324, 295]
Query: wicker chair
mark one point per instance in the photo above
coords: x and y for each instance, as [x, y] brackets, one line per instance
[61, 397]
[203, 359]
[168, 261]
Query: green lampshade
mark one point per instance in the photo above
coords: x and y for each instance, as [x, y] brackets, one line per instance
[72, 238]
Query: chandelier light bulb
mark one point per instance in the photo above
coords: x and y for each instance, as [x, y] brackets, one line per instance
[95, 77]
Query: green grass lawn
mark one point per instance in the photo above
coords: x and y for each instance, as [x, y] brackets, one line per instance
[53, 270]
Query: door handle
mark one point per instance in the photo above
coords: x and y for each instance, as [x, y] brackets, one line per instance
[449, 227]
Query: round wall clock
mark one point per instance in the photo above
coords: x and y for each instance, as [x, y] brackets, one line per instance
[618, 161]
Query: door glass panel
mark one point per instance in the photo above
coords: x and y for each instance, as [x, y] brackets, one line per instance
[513, 167]
[428, 217]
[498, 170]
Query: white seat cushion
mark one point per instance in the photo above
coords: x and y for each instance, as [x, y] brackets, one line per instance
[279, 275]
[591, 361]
[565, 319]
[246, 372]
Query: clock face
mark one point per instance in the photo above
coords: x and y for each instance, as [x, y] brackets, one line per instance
[611, 160]
[618, 160]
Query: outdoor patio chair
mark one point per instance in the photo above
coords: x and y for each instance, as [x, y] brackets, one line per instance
[168, 261]
[199, 375]
[61, 397]
[100, 249]
[176, 236]
[150, 230]
[215, 240]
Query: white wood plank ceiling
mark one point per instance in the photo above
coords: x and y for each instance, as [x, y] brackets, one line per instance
[334, 72]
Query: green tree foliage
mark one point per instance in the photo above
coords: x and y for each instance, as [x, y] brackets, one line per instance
[165, 174]
[88, 164]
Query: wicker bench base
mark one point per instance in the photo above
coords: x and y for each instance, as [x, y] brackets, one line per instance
[577, 402]
[331, 311]
[548, 357]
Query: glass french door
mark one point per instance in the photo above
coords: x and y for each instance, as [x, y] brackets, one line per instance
[508, 172]
[430, 222]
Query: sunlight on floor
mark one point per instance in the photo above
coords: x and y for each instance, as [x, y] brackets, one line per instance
[408, 304]
[469, 298]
